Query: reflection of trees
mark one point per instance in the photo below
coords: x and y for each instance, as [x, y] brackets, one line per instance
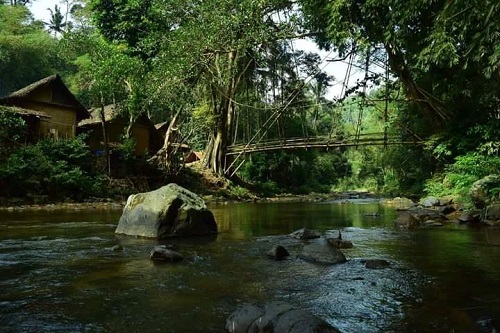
[466, 272]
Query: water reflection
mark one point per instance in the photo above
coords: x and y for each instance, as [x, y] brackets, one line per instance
[59, 274]
[243, 220]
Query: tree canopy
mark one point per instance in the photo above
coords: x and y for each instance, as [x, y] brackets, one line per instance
[27, 52]
[445, 53]
[226, 72]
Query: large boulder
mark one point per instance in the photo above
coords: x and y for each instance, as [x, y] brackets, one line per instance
[275, 317]
[406, 220]
[170, 211]
[481, 191]
[322, 252]
[425, 214]
[492, 212]
[429, 202]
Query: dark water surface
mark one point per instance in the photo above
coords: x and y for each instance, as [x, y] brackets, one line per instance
[58, 273]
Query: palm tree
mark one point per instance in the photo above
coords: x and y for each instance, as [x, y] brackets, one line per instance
[56, 23]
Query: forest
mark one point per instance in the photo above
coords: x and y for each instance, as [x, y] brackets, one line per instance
[226, 72]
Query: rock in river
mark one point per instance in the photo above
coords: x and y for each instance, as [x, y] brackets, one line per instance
[275, 317]
[164, 253]
[322, 252]
[406, 220]
[169, 211]
[377, 263]
[338, 242]
[278, 252]
[305, 233]
[483, 191]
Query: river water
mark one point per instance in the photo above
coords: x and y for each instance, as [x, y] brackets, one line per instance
[58, 272]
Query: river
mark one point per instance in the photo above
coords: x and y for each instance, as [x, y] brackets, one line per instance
[59, 273]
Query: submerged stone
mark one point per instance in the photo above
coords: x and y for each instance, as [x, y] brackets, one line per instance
[322, 252]
[338, 242]
[377, 263]
[164, 253]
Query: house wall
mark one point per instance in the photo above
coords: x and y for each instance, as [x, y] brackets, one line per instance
[62, 122]
[60, 125]
[141, 135]
[115, 131]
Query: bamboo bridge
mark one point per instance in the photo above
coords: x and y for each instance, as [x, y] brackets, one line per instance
[321, 142]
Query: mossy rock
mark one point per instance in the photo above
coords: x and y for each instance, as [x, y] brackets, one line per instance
[170, 211]
[485, 190]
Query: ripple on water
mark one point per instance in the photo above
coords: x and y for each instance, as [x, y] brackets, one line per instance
[349, 296]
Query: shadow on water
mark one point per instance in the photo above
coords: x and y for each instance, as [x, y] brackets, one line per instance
[59, 273]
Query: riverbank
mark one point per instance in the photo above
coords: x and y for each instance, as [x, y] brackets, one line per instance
[104, 205]
[210, 199]
[213, 188]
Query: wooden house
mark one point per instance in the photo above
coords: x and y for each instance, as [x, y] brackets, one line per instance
[147, 138]
[48, 107]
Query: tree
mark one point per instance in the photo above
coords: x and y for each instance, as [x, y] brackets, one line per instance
[106, 75]
[27, 52]
[12, 132]
[19, 2]
[441, 51]
[210, 44]
[57, 22]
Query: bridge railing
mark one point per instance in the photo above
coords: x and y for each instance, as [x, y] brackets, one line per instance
[324, 142]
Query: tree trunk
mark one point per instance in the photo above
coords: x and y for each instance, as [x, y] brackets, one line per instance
[428, 106]
[215, 153]
[163, 157]
[105, 139]
[223, 109]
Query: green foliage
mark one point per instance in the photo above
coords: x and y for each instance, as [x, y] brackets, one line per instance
[61, 169]
[208, 50]
[106, 73]
[445, 54]
[127, 150]
[238, 193]
[57, 23]
[302, 172]
[12, 132]
[457, 178]
[27, 52]
[268, 188]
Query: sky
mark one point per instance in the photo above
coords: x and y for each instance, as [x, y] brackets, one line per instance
[39, 8]
[336, 69]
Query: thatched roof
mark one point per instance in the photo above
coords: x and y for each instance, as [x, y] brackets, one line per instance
[24, 92]
[110, 113]
[55, 82]
[24, 112]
